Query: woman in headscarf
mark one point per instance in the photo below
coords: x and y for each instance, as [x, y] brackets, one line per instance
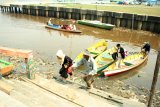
[66, 63]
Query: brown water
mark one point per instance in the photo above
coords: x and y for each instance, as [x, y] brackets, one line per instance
[28, 32]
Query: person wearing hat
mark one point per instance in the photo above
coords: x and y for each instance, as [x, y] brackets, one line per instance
[49, 22]
[146, 47]
[66, 63]
[90, 68]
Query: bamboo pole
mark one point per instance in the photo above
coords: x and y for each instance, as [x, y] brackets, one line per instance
[155, 77]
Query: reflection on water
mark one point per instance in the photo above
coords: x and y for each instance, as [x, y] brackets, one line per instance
[29, 32]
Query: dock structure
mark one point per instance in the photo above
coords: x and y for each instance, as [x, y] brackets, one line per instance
[43, 92]
[126, 20]
[26, 54]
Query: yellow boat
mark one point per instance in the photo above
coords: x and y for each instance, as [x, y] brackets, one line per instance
[130, 62]
[105, 59]
[94, 50]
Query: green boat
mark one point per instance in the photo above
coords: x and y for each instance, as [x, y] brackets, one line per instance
[105, 59]
[5, 67]
[96, 23]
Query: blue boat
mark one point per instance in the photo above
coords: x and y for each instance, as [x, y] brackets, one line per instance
[58, 27]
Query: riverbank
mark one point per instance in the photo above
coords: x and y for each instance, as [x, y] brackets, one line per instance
[132, 9]
[140, 19]
[48, 69]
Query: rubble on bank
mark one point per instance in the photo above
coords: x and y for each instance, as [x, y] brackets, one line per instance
[48, 69]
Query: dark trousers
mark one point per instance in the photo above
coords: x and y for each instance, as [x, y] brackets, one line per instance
[63, 73]
[89, 79]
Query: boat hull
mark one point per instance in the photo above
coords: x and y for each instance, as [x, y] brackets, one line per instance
[112, 70]
[64, 30]
[105, 59]
[94, 50]
[5, 67]
[96, 24]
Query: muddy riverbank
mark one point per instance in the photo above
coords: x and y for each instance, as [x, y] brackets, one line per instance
[47, 69]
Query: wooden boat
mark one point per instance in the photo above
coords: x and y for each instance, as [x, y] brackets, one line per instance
[94, 50]
[96, 24]
[16, 52]
[130, 62]
[5, 67]
[105, 59]
[64, 30]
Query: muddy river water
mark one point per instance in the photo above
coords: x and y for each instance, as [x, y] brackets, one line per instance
[28, 32]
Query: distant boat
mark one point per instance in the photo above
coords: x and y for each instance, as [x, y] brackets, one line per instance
[5, 67]
[96, 24]
[57, 27]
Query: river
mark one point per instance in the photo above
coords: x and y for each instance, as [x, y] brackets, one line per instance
[29, 32]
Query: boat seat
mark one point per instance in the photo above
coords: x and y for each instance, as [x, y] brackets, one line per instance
[127, 58]
[128, 64]
[102, 62]
[107, 56]
[95, 53]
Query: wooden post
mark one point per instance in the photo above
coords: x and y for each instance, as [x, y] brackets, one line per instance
[0, 76]
[83, 16]
[29, 11]
[37, 12]
[46, 13]
[155, 77]
[139, 25]
[118, 22]
[30, 68]
[27, 67]
[132, 21]
[69, 15]
[26, 54]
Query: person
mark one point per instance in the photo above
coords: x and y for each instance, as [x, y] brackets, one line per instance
[49, 22]
[69, 27]
[121, 51]
[90, 68]
[146, 48]
[121, 54]
[66, 63]
[64, 26]
[74, 27]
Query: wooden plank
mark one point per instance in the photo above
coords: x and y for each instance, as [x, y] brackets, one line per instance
[8, 101]
[5, 87]
[154, 81]
[49, 90]
[16, 52]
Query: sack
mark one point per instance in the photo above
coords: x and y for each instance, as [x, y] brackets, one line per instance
[70, 69]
